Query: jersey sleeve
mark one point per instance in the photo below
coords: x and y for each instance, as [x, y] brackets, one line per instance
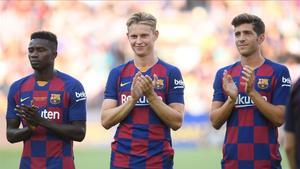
[111, 88]
[282, 87]
[11, 102]
[77, 109]
[218, 89]
[176, 87]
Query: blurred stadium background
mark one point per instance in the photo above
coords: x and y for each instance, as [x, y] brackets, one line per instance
[195, 35]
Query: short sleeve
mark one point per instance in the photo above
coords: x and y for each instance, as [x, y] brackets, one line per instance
[218, 89]
[176, 87]
[282, 87]
[111, 88]
[77, 109]
[11, 102]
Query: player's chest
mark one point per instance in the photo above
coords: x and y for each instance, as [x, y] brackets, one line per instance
[43, 98]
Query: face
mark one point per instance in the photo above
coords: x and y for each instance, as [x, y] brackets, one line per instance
[246, 39]
[141, 38]
[41, 54]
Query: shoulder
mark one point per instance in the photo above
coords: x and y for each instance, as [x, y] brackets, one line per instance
[228, 68]
[20, 82]
[68, 80]
[276, 66]
[168, 66]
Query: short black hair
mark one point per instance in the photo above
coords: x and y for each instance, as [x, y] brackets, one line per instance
[45, 35]
[258, 24]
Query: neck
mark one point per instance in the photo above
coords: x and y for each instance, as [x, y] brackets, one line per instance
[145, 62]
[44, 75]
[253, 61]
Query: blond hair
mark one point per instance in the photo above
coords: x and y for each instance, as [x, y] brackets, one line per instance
[142, 18]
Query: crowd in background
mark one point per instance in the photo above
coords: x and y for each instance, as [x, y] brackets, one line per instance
[196, 36]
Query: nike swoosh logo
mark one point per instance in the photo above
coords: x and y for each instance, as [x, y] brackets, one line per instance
[23, 99]
[123, 84]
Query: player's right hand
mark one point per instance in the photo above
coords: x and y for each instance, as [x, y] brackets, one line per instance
[136, 87]
[229, 86]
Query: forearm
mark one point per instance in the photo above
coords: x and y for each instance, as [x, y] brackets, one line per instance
[218, 116]
[273, 113]
[290, 149]
[170, 116]
[65, 131]
[113, 116]
[19, 134]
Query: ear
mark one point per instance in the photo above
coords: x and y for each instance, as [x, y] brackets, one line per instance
[156, 33]
[54, 55]
[261, 38]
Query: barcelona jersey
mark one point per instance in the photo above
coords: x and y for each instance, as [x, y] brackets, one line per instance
[61, 101]
[142, 140]
[251, 139]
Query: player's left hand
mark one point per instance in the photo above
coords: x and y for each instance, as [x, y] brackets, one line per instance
[30, 114]
[249, 79]
[148, 85]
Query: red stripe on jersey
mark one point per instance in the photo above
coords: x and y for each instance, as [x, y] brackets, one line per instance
[260, 135]
[259, 164]
[38, 163]
[159, 70]
[245, 152]
[235, 71]
[121, 160]
[154, 162]
[246, 117]
[40, 98]
[27, 149]
[156, 132]
[139, 147]
[232, 133]
[140, 115]
[68, 162]
[39, 134]
[56, 84]
[231, 164]
[54, 148]
[125, 131]
[28, 84]
[128, 70]
[265, 70]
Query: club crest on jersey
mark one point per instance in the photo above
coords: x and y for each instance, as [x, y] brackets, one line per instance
[263, 83]
[159, 84]
[55, 98]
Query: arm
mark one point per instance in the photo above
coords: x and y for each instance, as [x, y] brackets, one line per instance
[274, 113]
[14, 133]
[290, 149]
[220, 111]
[172, 114]
[74, 131]
[111, 114]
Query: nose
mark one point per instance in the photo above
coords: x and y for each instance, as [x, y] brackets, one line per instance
[33, 54]
[139, 40]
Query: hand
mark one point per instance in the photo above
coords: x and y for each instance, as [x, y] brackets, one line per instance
[148, 85]
[249, 79]
[229, 86]
[136, 87]
[29, 114]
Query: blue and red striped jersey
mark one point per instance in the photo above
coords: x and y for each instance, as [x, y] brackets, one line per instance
[62, 100]
[251, 139]
[142, 140]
